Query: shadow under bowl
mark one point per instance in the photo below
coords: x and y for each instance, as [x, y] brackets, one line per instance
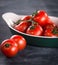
[38, 41]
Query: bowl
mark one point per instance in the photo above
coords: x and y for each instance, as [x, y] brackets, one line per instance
[40, 41]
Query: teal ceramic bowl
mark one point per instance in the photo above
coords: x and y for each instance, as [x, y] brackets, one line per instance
[40, 41]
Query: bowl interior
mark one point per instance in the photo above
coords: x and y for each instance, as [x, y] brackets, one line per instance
[42, 41]
[10, 18]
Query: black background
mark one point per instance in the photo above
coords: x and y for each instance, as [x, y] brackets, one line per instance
[31, 55]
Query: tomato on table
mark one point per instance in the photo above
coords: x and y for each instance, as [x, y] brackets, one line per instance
[9, 48]
[20, 40]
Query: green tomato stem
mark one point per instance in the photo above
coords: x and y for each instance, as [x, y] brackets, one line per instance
[55, 30]
[7, 45]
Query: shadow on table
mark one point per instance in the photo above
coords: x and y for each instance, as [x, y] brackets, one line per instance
[34, 56]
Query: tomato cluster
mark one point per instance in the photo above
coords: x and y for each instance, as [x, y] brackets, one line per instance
[38, 24]
[10, 47]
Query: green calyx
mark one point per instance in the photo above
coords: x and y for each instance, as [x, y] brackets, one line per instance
[30, 20]
[18, 22]
[7, 45]
[55, 30]
[32, 27]
[34, 13]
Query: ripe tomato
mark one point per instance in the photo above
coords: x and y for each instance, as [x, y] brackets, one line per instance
[20, 40]
[27, 17]
[52, 32]
[22, 26]
[41, 17]
[9, 48]
[48, 33]
[35, 30]
[50, 25]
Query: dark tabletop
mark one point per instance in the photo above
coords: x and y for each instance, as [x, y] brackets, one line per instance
[31, 55]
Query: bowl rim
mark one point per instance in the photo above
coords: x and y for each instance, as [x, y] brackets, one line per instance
[25, 33]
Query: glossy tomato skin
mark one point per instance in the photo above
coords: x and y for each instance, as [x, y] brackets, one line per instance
[22, 26]
[48, 32]
[36, 30]
[9, 48]
[41, 17]
[27, 17]
[51, 30]
[20, 40]
[50, 25]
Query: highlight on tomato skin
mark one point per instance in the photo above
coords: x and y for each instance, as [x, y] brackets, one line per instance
[22, 26]
[9, 48]
[41, 17]
[35, 30]
[20, 40]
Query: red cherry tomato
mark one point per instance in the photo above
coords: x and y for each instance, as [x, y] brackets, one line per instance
[48, 33]
[51, 32]
[41, 17]
[20, 40]
[9, 48]
[35, 30]
[50, 25]
[22, 26]
[27, 17]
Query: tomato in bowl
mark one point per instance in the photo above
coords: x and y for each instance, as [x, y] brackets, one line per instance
[37, 40]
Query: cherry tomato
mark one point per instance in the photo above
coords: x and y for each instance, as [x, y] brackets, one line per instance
[51, 32]
[50, 25]
[20, 40]
[9, 48]
[41, 17]
[48, 29]
[27, 17]
[48, 33]
[22, 26]
[35, 30]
